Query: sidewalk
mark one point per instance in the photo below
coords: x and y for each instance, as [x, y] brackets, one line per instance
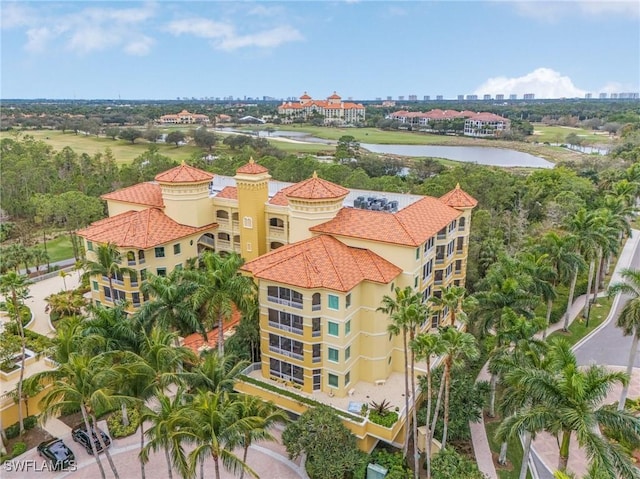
[544, 444]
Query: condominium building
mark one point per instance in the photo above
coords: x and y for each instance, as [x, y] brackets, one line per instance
[183, 118]
[486, 124]
[333, 110]
[323, 257]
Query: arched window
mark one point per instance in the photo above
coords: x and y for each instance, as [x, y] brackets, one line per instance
[222, 215]
[276, 245]
[316, 302]
[461, 223]
[131, 258]
[224, 236]
[276, 223]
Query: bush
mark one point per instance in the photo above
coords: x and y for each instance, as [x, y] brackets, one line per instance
[117, 429]
[387, 419]
[448, 464]
[12, 431]
[30, 422]
[18, 448]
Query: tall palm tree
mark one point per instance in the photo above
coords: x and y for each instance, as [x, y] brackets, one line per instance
[15, 288]
[221, 288]
[266, 416]
[405, 312]
[566, 399]
[211, 423]
[629, 319]
[108, 263]
[215, 373]
[540, 268]
[425, 346]
[454, 298]
[40, 257]
[607, 244]
[170, 305]
[87, 383]
[111, 329]
[564, 260]
[457, 347]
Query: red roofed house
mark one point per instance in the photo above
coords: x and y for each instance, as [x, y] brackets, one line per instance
[486, 124]
[183, 118]
[333, 109]
[323, 256]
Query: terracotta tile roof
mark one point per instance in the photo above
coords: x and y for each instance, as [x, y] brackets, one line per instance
[305, 96]
[279, 199]
[411, 226]
[457, 197]
[321, 104]
[148, 194]
[252, 168]
[487, 117]
[322, 262]
[138, 229]
[335, 96]
[196, 343]
[230, 192]
[183, 174]
[315, 189]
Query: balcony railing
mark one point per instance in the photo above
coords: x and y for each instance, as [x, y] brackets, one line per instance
[290, 354]
[285, 302]
[284, 327]
[276, 231]
[131, 262]
[222, 221]
[317, 333]
[224, 244]
[316, 307]
[206, 240]
[317, 359]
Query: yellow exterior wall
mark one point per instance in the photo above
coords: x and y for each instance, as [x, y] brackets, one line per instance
[253, 194]
[188, 203]
[304, 214]
[116, 207]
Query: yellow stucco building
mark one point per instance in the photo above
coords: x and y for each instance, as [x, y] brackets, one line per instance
[323, 257]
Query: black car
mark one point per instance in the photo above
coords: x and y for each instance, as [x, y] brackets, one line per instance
[81, 436]
[57, 452]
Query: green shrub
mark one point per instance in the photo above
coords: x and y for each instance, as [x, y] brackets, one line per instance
[387, 419]
[12, 431]
[449, 464]
[30, 422]
[117, 429]
[18, 448]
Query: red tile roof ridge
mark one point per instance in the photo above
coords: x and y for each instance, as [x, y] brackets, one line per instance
[184, 173]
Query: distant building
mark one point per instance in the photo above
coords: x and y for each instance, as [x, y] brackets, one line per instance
[486, 124]
[439, 97]
[401, 98]
[614, 96]
[183, 118]
[529, 96]
[388, 103]
[486, 97]
[426, 98]
[602, 96]
[413, 97]
[513, 96]
[333, 109]
[472, 97]
[418, 118]
[588, 96]
[460, 97]
[499, 96]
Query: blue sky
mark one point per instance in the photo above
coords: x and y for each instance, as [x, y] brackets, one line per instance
[362, 49]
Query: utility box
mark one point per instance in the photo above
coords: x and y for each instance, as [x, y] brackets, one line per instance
[376, 471]
[422, 442]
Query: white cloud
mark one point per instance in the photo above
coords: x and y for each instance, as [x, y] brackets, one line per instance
[552, 11]
[225, 37]
[83, 31]
[543, 82]
[264, 11]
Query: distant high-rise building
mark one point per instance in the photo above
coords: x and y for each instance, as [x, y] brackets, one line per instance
[378, 98]
[499, 96]
[513, 96]
[603, 96]
[413, 97]
[588, 96]
[426, 98]
[614, 96]
[401, 97]
[439, 97]
[389, 98]
[472, 97]
[460, 97]
[529, 96]
[486, 97]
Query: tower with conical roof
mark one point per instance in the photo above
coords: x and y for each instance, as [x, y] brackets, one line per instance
[312, 202]
[252, 182]
[185, 194]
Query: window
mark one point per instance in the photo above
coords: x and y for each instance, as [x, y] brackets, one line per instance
[119, 295]
[334, 301]
[333, 380]
[286, 371]
[247, 222]
[434, 321]
[450, 247]
[415, 282]
[427, 269]
[428, 246]
[315, 302]
[460, 244]
[333, 328]
[176, 248]
[439, 254]
[141, 256]
[316, 353]
[131, 258]
[417, 253]
[107, 292]
[461, 223]
[89, 245]
[286, 346]
[160, 252]
[135, 299]
[458, 265]
[347, 378]
[178, 267]
[222, 215]
[133, 278]
[442, 233]
[452, 226]
[317, 379]
[347, 353]
[347, 327]
[439, 276]
[286, 296]
[285, 321]
[276, 223]
[315, 327]
[143, 274]
[161, 271]
[333, 354]
[348, 301]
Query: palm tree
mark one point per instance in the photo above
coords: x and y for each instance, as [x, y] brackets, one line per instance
[221, 288]
[607, 245]
[108, 264]
[405, 312]
[457, 347]
[424, 346]
[564, 261]
[543, 275]
[215, 373]
[111, 329]
[453, 298]
[40, 257]
[86, 383]
[212, 422]
[266, 416]
[566, 399]
[65, 304]
[170, 306]
[15, 288]
[629, 319]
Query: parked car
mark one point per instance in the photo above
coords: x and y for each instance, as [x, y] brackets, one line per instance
[57, 452]
[80, 435]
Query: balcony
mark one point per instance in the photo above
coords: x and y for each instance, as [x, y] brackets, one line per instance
[206, 240]
[222, 221]
[316, 334]
[284, 327]
[224, 244]
[285, 302]
[276, 232]
[289, 354]
[316, 307]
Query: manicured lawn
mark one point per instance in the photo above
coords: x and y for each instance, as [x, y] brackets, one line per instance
[557, 134]
[514, 453]
[59, 248]
[578, 329]
[123, 151]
